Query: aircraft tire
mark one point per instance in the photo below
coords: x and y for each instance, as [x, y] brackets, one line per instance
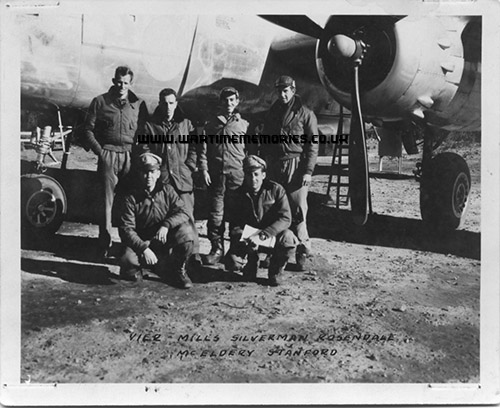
[43, 206]
[444, 191]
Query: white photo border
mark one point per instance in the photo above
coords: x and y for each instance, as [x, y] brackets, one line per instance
[13, 392]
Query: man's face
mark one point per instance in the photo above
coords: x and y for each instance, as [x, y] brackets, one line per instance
[285, 94]
[168, 104]
[150, 177]
[122, 85]
[254, 179]
[229, 103]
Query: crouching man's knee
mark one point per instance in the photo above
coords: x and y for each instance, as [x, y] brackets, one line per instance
[286, 242]
[183, 233]
[130, 268]
[129, 259]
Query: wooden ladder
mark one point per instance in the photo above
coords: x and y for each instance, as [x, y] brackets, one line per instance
[340, 169]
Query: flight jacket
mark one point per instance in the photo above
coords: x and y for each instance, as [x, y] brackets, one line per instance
[142, 213]
[112, 124]
[224, 158]
[271, 213]
[179, 158]
[294, 119]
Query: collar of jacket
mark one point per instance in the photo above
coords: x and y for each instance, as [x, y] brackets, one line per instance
[178, 117]
[142, 193]
[235, 115]
[131, 97]
[266, 185]
[296, 105]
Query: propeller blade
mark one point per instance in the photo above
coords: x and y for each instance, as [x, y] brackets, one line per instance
[359, 188]
[297, 23]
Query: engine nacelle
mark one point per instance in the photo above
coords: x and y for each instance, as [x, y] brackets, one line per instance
[427, 69]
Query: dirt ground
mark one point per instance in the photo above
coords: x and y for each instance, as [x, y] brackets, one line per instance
[384, 303]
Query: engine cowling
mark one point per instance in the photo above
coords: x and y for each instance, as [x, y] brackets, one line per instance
[426, 69]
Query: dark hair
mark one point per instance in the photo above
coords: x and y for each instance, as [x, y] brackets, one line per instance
[167, 91]
[123, 70]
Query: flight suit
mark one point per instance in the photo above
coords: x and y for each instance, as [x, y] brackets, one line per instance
[142, 213]
[110, 128]
[224, 162]
[268, 211]
[288, 162]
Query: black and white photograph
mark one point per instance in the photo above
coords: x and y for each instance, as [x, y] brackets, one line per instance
[231, 203]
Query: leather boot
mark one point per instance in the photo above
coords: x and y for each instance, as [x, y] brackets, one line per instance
[182, 278]
[194, 263]
[277, 265]
[215, 254]
[250, 269]
[265, 262]
[301, 255]
[132, 275]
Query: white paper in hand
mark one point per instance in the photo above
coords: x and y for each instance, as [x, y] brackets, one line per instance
[248, 231]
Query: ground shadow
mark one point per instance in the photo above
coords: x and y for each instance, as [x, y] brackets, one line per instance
[69, 271]
[384, 230]
[206, 274]
[72, 247]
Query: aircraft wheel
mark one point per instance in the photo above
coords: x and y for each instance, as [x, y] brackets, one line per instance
[444, 191]
[43, 205]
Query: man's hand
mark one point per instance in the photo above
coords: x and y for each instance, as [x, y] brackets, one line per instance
[254, 239]
[161, 235]
[149, 257]
[206, 177]
[99, 153]
[306, 179]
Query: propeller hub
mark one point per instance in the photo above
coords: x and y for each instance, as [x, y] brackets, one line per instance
[341, 45]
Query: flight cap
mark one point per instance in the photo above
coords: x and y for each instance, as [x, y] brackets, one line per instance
[149, 161]
[284, 81]
[252, 162]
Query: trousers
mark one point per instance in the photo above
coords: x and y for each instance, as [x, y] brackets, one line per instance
[112, 167]
[284, 247]
[188, 199]
[219, 193]
[288, 174]
[171, 255]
